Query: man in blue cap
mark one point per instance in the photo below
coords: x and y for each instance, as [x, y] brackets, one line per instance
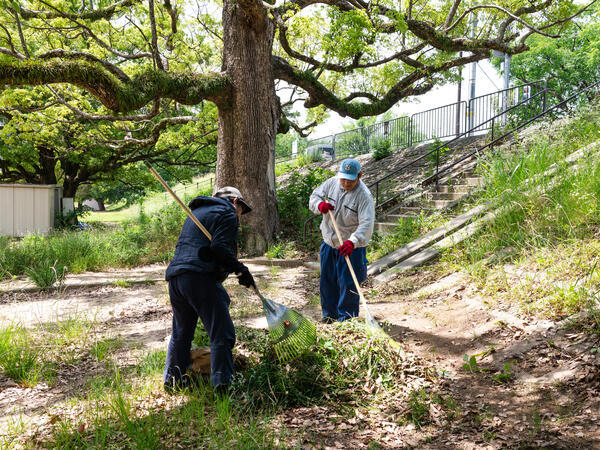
[351, 203]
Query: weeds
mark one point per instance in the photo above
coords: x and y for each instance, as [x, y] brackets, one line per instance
[19, 357]
[406, 230]
[45, 257]
[548, 227]
[46, 274]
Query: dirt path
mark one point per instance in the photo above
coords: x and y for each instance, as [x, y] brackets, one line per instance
[545, 397]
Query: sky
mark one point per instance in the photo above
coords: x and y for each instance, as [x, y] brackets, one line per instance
[487, 80]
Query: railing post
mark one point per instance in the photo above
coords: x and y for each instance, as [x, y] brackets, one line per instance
[437, 167]
[377, 194]
[334, 153]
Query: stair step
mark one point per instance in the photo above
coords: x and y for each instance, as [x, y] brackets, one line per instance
[385, 227]
[396, 217]
[474, 181]
[444, 195]
[434, 204]
[453, 188]
[412, 210]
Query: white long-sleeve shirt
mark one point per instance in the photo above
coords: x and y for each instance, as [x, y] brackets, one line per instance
[354, 212]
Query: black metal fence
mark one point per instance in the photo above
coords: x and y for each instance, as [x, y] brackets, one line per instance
[437, 123]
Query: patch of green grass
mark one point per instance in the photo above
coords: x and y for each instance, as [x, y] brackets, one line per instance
[101, 349]
[74, 329]
[20, 358]
[152, 363]
[282, 250]
[143, 240]
[405, 231]
[122, 283]
[125, 407]
[539, 251]
[46, 274]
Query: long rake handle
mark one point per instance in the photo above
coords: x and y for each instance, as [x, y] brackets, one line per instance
[188, 212]
[339, 236]
[178, 200]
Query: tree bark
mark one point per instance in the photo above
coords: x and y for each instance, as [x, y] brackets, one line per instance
[248, 122]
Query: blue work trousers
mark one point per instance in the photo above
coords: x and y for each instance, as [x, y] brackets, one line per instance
[196, 295]
[339, 298]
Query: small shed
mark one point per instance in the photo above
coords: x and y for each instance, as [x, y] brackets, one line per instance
[29, 208]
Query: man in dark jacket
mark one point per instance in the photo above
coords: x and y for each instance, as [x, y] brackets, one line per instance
[195, 274]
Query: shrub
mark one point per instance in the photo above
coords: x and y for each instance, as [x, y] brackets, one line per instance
[441, 151]
[383, 149]
[293, 199]
[281, 250]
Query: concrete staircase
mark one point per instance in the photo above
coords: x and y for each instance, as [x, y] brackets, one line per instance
[459, 228]
[446, 195]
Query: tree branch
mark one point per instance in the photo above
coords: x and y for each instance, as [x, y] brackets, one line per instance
[320, 95]
[154, 46]
[117, 95]
[61, 53]
[102, 13]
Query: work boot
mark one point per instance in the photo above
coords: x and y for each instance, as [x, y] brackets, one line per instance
[328, 320]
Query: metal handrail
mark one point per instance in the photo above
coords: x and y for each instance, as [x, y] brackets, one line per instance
[524, 124]
[465, 133]
[412, 121]
[425, 155]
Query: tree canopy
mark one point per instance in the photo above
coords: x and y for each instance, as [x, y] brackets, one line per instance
[569, 63]
[135, 60]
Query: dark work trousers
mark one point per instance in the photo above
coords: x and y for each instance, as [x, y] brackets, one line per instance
[196, 295]
[339, 298]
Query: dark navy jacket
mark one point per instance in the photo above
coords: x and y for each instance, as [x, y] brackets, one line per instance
[195, 253]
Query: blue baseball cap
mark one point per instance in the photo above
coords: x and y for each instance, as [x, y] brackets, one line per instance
[349, 169]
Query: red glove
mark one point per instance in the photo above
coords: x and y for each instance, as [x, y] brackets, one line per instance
[325, 207]
[346, 248]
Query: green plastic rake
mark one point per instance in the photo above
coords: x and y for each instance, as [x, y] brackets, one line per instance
[290, 332]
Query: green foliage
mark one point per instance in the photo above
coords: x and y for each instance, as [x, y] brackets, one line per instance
[293, 198]
[546, 224]
[281, 250]
[566, 210]
[406, 230]
[44, 257]
[568, 63]
[152, 363]
[101, 349]
[470, 364]
[351, 143]
[383, 149]
[19, 359]
[418, 403]
[439, 154]
[505, 375]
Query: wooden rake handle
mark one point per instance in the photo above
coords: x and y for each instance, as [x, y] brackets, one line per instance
[178, 200]
[356, 283]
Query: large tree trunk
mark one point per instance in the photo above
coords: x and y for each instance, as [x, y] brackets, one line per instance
[248, 124]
